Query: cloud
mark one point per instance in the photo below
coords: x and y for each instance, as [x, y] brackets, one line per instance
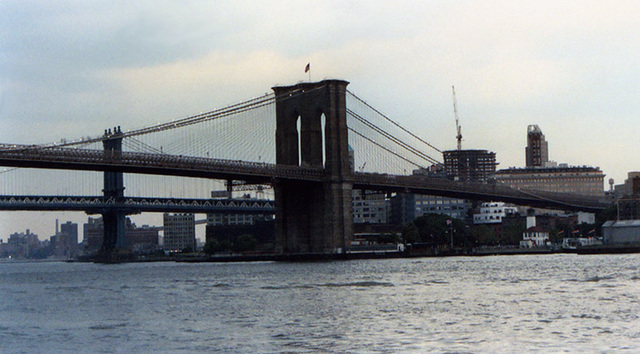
[70, 69]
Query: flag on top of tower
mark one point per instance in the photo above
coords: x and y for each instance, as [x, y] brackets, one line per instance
[307, 68]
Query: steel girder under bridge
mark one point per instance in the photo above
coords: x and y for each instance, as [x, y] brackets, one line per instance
[132, 205]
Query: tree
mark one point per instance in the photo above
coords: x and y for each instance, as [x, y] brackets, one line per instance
[243, 243]
[610, 213]
[433, 228]
[513, 232]
[410, 233]
[211, 246]
[484, 235]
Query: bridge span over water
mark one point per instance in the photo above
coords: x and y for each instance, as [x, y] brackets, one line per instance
[313, 174]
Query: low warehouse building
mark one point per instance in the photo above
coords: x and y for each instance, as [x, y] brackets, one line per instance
[621, 232]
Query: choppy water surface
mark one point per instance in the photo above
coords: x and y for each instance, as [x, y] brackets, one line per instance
[489, 304]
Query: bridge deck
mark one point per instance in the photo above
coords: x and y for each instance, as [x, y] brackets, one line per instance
[253, 172]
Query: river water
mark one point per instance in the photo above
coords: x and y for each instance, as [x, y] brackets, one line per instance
[543, 303]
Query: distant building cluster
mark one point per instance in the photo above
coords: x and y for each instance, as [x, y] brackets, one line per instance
[540, 174]
[141, 240]
[27, 245]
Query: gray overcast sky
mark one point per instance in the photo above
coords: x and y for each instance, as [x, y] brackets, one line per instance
[72, 68]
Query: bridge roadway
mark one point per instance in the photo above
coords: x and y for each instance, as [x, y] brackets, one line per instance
[254, 172]
[97, 204]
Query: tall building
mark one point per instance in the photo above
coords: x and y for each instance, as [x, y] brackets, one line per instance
[469, 165]
[92, 235]
[179, 232]
[537, 150]
[65, 241]
[544, 175]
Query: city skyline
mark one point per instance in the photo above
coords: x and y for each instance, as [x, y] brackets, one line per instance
[69, 70]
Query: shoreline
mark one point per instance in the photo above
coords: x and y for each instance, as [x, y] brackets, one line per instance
[380, 255]
[478, 252]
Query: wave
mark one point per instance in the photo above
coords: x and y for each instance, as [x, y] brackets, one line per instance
[108, 327]
[357, 284]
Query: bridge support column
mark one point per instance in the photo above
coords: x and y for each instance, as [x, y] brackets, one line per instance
[313, 217]
[113, 220]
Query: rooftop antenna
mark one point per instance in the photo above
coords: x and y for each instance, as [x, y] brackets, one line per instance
[455, 113]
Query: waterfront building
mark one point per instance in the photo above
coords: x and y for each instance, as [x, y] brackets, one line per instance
[237, 218]
[143, 239]
[179, 232]
[621, 233]
[370, 207]
[406, 207]
[225, 227]
[535, 236]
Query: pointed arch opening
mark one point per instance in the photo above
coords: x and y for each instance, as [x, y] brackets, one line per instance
[299, 131]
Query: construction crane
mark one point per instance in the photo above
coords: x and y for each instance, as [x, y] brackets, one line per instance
[455, 113]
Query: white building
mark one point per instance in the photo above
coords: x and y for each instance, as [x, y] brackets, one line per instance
[179, 232]
[493, 212]
[535, 237]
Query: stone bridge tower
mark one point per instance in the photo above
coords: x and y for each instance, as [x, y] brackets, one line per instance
[311, 130]
[113, 219]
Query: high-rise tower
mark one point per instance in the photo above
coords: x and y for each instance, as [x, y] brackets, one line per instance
[537, 150]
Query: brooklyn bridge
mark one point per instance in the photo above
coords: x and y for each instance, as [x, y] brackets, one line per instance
[314, 143]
